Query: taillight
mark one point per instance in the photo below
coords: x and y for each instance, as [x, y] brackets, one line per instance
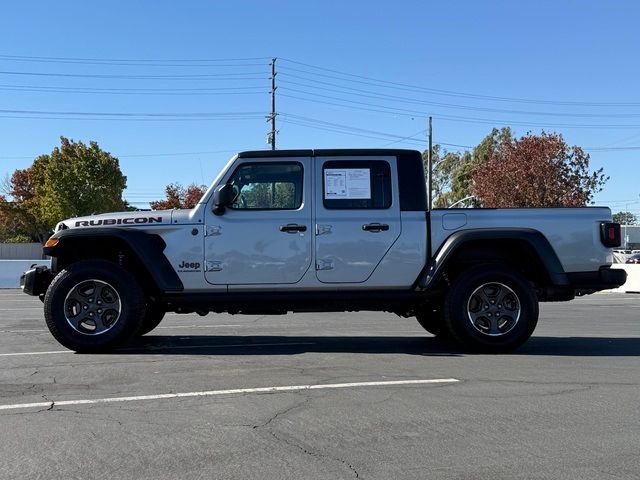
[610, 234]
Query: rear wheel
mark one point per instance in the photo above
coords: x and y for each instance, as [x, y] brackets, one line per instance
[93, 305]
[491, 309]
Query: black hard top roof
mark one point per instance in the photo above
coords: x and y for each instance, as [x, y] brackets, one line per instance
[389, 152]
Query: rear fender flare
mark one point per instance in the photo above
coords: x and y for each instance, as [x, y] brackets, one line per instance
[536, 240]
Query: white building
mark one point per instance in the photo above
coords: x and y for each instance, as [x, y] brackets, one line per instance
[631, 233]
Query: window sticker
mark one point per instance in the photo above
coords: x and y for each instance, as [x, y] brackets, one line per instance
[347, 183]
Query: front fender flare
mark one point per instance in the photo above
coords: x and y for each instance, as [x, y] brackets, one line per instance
[148, 248]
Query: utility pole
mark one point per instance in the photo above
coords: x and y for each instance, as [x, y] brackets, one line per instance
[430, 167]
[271, 137]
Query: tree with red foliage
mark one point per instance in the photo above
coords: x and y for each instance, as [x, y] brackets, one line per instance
[179, 197]
[536, 171]
[21, 215]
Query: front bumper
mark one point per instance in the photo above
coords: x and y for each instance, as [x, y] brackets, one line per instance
[36, 280]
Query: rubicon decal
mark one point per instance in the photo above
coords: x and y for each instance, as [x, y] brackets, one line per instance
[118, 221]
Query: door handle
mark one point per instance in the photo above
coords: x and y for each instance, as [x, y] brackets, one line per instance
[375, 227]
[293, 228]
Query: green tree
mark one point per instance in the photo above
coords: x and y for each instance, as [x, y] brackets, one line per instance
[73, 180]
[79, 179]
[269, 195]
[452, 171]
[625, 218]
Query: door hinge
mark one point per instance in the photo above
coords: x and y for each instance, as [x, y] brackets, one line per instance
[323, 229]
[213, 266]
[324, 264]
[212, 230]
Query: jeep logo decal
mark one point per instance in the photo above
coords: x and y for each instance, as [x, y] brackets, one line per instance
[189, 266]
[117, 221]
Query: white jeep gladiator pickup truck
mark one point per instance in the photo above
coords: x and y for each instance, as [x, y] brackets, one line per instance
[322, 231]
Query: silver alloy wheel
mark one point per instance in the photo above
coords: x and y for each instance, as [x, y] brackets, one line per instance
[493, 309]
[92, 307]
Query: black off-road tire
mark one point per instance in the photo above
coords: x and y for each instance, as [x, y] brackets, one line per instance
[432, 320]
[152, 318]
[114, 289]
[472, 312]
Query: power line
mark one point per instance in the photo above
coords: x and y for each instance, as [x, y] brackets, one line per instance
[253, 90]
[382, 83]
[340, 126]
[370, 80]
[136, 155]
[376, 95]
[126, 61]
[415, 113]
[135, 119]
[611, 149]
[211, 76]
[334, 130]
[133, 114]
[350, 130]
[408, 137]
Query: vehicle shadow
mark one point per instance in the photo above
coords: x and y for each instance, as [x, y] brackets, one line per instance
[287, 345]
[408, 345]
[582, 346]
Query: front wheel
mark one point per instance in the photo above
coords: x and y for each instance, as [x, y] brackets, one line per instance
[432, 320]
[152, 317]
[491, 309]
[93, 305]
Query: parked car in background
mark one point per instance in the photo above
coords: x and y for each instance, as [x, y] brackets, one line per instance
[634, 258]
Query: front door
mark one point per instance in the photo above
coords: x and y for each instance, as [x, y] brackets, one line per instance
[357, 220]
[265, 236]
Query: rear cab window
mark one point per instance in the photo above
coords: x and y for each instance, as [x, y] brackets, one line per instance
[356, 184]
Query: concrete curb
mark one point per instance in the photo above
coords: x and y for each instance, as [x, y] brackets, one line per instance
[633, 278]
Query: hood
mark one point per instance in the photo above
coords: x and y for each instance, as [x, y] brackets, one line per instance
[119, 219]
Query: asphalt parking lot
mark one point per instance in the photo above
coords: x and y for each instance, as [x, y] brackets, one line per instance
[362, 395]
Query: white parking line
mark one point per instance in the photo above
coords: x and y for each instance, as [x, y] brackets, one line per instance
[153, 349]
[24, 330]
[42, 330]
[197, 326]
[17, 354]
[235, 391]
[19, 309]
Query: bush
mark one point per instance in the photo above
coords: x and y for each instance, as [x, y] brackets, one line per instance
[18, 239]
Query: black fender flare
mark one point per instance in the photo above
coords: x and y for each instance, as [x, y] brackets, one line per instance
[535, 239]
[149, 249]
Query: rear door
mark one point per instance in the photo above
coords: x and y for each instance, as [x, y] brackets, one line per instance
[357, 216]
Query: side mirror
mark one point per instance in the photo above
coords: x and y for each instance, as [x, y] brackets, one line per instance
[222, 197]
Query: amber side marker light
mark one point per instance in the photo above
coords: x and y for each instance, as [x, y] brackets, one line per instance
[52, 242]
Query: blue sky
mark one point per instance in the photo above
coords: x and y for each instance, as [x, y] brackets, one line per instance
[531, 65]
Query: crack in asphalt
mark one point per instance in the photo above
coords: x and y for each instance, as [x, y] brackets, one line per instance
[315, 454]
[281, 413]
[53, 403]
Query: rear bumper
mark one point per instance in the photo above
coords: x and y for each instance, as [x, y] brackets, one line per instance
[36, 280]
[603, 279]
